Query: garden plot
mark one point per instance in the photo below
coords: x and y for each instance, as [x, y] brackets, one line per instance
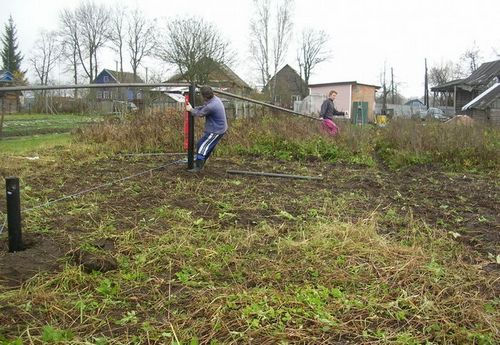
[24, 125]
[364, 255]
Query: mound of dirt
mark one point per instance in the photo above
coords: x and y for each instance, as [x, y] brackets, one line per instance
[96, 260]
[41, 254]
[461, 120]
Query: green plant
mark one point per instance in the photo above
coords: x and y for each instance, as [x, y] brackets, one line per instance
[108, 288]
[54, 335]
[130, 318]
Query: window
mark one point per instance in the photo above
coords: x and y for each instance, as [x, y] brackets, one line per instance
[99, 94]
[106, 95]
[106, 79]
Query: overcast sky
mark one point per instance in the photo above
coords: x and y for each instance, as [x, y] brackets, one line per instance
[363, 33]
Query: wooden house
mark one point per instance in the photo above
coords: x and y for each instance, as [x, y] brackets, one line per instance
[108, 76]
[357, 99]
[9, 101]
[289, 87]
[462, 92]
[486, 106]
[222, 77]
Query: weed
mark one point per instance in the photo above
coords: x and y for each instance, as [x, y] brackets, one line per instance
[54, 335]
[107, 288]
[129, 319]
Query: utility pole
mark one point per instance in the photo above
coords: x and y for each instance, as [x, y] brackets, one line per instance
[392, 86]
[384, 94]
[426, 87]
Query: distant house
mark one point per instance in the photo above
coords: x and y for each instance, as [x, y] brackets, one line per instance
[410, 108]
[463, 91]
[356, 98]
[415, 103]
[9, 101]
[222, 77]
[290, 87]
[108, 76]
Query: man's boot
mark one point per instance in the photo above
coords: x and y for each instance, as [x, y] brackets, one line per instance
[198, 165]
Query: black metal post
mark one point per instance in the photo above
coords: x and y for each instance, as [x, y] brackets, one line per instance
[192, 89]
[14, 214]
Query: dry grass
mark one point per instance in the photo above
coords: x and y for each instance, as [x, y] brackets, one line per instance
[296, 272]
[400, 144]
[156, 132]
[456, 145]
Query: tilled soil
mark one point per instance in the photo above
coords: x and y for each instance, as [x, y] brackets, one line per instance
[464, 205]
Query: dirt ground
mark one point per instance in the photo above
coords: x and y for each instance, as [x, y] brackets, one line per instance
[464, 205]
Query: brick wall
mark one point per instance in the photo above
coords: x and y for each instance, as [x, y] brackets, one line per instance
[364, 93]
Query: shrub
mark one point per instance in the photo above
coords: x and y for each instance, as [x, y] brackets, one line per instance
[456, 146]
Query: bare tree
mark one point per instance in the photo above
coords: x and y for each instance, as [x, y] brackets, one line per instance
[157, 74]
[87, 30]
[117, 31]
[194, 47]
[141, 39]
[70, 40]
[312, 51]
[385, 91]
[46, 53]
[270, 38]
[441, 74]
[471, 59]
[282, 37]
[259, 43]
[94, 26]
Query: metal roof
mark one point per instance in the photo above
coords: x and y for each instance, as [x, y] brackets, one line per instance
[480, 77]
[448, 86]
[343, 83]
[486, 98]
[177, 97]
[484, 74]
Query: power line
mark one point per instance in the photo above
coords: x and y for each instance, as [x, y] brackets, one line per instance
[263, 104]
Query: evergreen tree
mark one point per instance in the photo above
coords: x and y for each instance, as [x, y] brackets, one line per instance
[11, 57]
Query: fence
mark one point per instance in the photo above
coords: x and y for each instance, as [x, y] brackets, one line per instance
[309, 105]
[408, 111]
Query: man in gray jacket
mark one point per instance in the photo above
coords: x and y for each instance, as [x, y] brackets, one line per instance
[215, 125]
[328, 108]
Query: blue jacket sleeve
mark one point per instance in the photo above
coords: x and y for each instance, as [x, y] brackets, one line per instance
[201, 111]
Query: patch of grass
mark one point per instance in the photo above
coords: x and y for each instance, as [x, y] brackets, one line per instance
[33, 124]
[317, 279]
[33, 144]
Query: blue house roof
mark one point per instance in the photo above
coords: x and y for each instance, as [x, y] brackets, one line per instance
[6, 77]
[109, 76]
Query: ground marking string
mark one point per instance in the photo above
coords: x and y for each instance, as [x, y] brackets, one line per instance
[3, 225]
[48, 203]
